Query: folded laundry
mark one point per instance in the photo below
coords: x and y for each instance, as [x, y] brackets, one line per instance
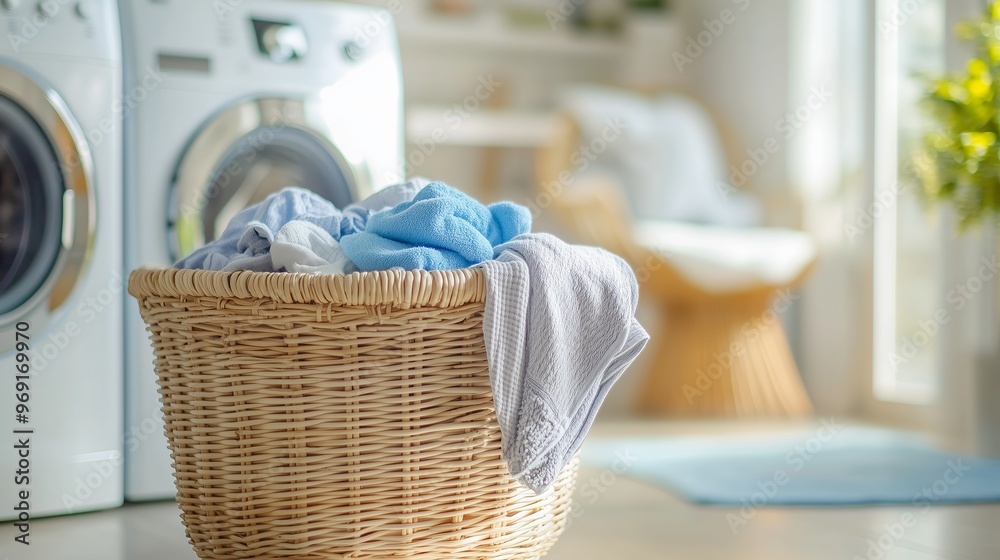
[441, 228]
[246, 242]
[560, 330]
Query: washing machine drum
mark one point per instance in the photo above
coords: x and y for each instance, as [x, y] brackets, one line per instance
[246, 154]
[47, 207]
[31, 195]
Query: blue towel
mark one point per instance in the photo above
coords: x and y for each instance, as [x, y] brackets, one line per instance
[246, 242]
[440, 229]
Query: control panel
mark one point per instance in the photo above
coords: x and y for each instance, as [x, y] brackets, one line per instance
[84, 28]
[45, 9]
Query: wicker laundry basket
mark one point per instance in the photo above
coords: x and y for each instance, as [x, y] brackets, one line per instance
[337, 417]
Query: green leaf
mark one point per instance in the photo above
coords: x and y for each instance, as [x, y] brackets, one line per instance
[959, 160]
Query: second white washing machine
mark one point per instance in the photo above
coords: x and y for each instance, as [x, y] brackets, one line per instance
[227, 102]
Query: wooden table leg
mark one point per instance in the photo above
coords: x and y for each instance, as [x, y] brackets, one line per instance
[726, 357]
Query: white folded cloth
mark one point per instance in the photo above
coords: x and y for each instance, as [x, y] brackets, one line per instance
[560, 330]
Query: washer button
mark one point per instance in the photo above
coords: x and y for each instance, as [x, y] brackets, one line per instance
[352, 50]
[10, 5]
[84, 9]
[47, 8]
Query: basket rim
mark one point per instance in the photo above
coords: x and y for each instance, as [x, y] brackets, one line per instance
[396, 287]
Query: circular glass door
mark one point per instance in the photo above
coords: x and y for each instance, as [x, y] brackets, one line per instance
[245, 154]
[47, 204]
[31, 196]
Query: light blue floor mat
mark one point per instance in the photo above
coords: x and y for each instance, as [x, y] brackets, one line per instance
[821, 466]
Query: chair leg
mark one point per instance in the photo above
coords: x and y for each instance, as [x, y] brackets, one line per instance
[723, 358]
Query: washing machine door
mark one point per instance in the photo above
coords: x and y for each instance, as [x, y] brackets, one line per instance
[244, 154]
[46, 203]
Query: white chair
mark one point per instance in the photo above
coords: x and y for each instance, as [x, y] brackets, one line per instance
[722, 350]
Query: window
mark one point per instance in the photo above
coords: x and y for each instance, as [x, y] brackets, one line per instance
[908, 243]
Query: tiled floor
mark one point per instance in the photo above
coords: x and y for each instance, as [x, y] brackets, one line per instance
[629, 520]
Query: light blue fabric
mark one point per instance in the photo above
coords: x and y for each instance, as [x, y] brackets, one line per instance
[440, 229]
[356, 215]
[246, 242]
[826, 465]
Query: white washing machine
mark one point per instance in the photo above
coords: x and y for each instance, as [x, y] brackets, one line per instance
[60, 257]
[236, 99]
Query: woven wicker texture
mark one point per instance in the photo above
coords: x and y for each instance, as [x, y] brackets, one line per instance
[337, 417]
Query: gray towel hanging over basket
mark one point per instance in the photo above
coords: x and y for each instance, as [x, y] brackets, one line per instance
[321, 416]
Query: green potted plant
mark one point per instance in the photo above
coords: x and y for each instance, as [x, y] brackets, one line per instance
[960, 160]
[959, 165]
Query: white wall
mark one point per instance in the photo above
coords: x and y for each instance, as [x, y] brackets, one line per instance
[744, 72]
